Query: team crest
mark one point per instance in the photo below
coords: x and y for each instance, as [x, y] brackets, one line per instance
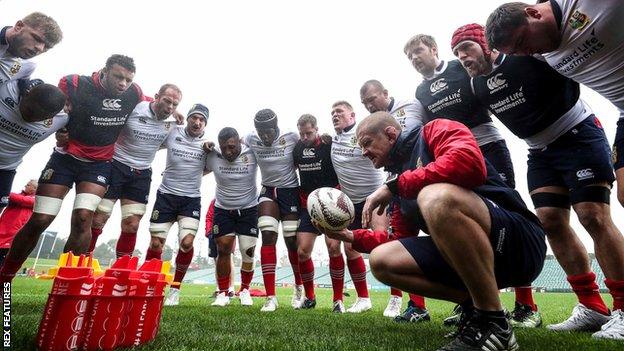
[244, 159]
[215, 229]
[47, 123]
[155, 214]
[353, 141]
[282, 141]
[400, 113]
[47, 174]
[578, 20]
[167, 125]
[16, 68]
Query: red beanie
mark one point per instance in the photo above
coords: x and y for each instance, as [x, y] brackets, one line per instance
[473, 32]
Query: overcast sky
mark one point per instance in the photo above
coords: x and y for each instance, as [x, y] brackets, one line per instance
[238, 57]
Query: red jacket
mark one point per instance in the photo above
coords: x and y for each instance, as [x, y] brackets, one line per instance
[15, 215]
[209, 218]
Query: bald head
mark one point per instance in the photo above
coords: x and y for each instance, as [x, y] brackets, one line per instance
[376, 123]
[376, 135]
[374, 96]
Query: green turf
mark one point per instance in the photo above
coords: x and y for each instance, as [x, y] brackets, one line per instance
[194, 325]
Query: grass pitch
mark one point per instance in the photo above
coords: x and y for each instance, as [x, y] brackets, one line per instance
[195, 325]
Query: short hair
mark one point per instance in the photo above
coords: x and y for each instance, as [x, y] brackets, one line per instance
[503, 21]
[305, 119]
[226, 134]
[426, 39]
[343, 103]
[122, 60]
[166, 86]
[371, 83]
[377, 122]
[51, 31]
[49, 97]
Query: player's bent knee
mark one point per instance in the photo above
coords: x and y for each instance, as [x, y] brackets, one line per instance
[160, 230]
[130, 210]
[47, 205]
[106, 206]
[86, 201]
[290, 228]
[247, 247]
[187, 226]
[268, 223]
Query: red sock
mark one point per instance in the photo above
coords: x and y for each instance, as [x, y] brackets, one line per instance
[268, 259]
[246, 279]
[418, 301]
[9, 268]
[182, 262]
[357, 270]
[125, 244]
[307, 276]
[396, 292]
[223, 283]
[293, 257]
[336, 271]
[95, 233]
[586, 290]
[524, 295]
[153, 254]
[616, 288]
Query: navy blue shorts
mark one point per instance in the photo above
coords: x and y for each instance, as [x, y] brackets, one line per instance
[618, 146]
[305, 223]
[498, 155]
[357, 220]
[65, 170]
[129, 183]
[6, 182]
[576, 159]
[212, 247]
[239, 222]
[287, 198]
[168, 207]
[519, 251]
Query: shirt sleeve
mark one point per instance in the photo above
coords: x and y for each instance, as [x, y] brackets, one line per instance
[22, 200]
[210, 218]
[457, 159]
[415, 114]
[365, 240]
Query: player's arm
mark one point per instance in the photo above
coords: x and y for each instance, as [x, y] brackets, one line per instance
[209, 218]
[457, 160]
[22, 200]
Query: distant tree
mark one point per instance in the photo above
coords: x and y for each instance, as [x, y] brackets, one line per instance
[57, 250]
[105, 252]
[137, 253]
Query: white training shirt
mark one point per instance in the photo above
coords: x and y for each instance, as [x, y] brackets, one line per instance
[275, 161]
[16, 135]
[592, 47]
[141, 137]
[11, 67]
[409, 113]
[236, 181]
[357, 176]
[186, 160]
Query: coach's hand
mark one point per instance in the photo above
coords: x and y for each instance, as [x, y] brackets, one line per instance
[179, 118]
[377, 200]
[343, 235]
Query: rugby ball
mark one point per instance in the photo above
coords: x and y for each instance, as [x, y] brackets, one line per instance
[330, 208]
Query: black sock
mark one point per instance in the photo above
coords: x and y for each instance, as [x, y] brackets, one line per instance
[497, 317]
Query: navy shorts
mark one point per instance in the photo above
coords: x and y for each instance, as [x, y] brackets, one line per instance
[618, 146]
[63, 169]
[576, 159]
[498, 155]
[305, 223]
[129, 183]
[357, 220]
[168, 207]
[212, 247]
[6, 182]
[287, 198]
[519, 251]
[240, 222]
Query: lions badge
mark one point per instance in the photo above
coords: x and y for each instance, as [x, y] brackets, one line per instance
[578, 20]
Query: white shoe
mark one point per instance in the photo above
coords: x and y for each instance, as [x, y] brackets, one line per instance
[338, 307]
[394, 306]
[270, 304]
[361, 304]
[297, 299]
[613, 329]
[245, 298]
[222, 300]
[173, 297]
[582, 319]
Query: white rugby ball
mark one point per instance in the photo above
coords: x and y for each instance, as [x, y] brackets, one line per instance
[330, 208]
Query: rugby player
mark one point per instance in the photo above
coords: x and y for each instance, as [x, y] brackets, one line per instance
[131, 172]
[278, 200]
[581, 40]
[179, 196]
